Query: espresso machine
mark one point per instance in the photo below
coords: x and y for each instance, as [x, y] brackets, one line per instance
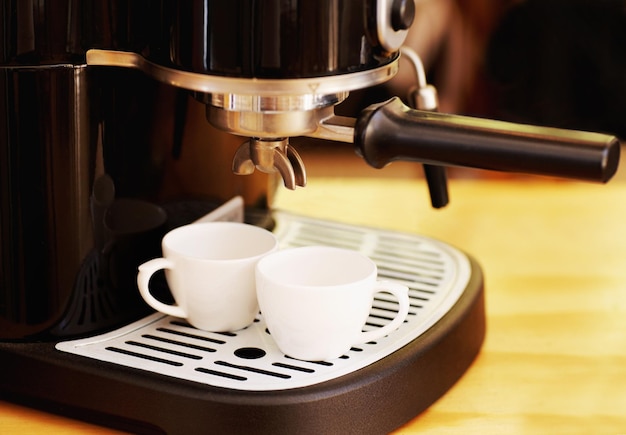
[122, 119]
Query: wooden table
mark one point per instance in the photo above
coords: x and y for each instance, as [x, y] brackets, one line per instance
[554, 257]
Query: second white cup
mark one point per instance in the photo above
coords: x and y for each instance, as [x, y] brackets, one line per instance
[316, 300]
[210, 270]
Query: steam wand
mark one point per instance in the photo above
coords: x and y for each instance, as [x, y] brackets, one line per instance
[424, 97]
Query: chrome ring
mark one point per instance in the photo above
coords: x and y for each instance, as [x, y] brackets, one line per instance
[274, 103]
[212, 84]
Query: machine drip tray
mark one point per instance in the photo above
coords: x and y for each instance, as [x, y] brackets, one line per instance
[160, 374]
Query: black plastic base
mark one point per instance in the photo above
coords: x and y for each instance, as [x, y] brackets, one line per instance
[376, 399]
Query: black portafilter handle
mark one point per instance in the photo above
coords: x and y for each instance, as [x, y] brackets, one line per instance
[391, 131]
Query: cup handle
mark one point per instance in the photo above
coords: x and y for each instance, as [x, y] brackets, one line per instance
[401, 293]
[146, 270]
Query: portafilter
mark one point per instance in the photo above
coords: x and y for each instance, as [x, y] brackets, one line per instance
[269, 72]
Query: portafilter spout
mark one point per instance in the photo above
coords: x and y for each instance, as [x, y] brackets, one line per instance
[271, 155]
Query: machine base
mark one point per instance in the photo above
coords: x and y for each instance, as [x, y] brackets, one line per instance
[376, 398]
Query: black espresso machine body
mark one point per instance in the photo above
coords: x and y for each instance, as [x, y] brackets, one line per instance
[76, 138]
[105, 145]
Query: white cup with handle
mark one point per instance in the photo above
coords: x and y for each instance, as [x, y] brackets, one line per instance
[210, 270]
[315, 300]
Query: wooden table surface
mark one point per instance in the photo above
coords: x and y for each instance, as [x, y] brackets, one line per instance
[554, 258]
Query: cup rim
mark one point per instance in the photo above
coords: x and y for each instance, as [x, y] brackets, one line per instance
[166, 244]
[264, 263]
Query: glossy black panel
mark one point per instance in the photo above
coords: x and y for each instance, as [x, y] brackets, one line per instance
[239, 38]
[44, 156]
[38, 31]
[273, 39]
[67, 264]
[55, 31]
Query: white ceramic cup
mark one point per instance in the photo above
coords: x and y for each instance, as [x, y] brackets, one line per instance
[210, 270]
[316, 300]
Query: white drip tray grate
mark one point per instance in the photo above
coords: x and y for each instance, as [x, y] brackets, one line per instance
[435, 273]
